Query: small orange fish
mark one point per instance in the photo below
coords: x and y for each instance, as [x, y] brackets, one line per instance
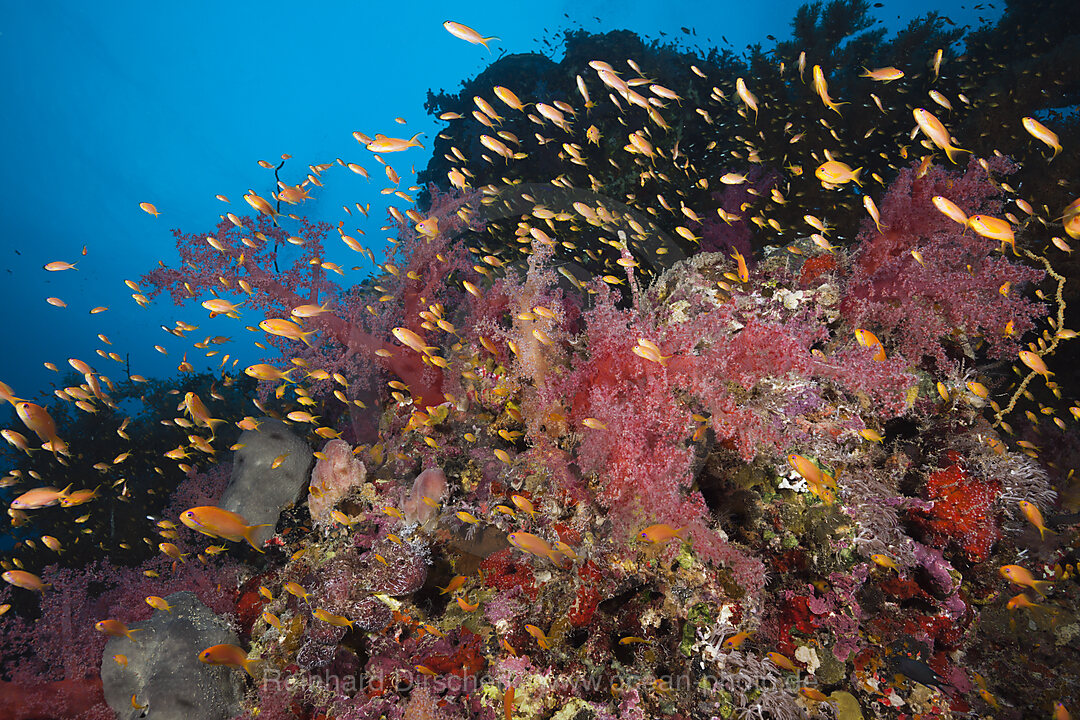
[835, 172]
[1035, 362]
[1031, 512]
[523, 504]
[286, 329]
[508, 703]
[466, 517]
[661, 532]
[227, 654]
[39, 498]
[632, 639]
[331, 619]
[37, 418]
[1040, 132]
[149, 207]
[1021, 601]
[782, 661]
[466, 33]
[215, 522]
[937, 133]
[297, 590]
[816, 695]
[25, 580]
[743, 272]
[1021, 576]
[159, 603]
[531, 544]
[455, 583]
[736, 640]
[949, 209]
[807, 469]
[887, 74]
[465, 605]
[537, 633]
[993, 228]
[115, 628]
[884, 561]
[384, 144]
[870, 340]
[821, 87]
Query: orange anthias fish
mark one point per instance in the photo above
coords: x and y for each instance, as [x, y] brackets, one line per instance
[887, 74]
[541, 638]
[533, 544]
[466, 33]
[1021, 576]
[1035, 362]
[39, 498]
[25, 580]
[937, 133]
[286, 329]
[215, 522]
[1031, 512]
[115, 628]
[821, 87]
[835, 172]
[736, 640]
[807, 469]
[1040, 132]
[38, 419]
[230, 655]
[870, 340]
[384, 144]
[744, 273]
[195, 408]
[661, 532]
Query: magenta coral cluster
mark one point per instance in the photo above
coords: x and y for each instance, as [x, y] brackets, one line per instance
[962, 289]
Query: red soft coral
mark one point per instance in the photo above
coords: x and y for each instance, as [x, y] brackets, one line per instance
[963, 511]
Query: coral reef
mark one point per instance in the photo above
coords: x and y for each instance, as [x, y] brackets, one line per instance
[705, 404]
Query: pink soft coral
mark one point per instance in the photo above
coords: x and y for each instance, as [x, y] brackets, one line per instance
[956, 296]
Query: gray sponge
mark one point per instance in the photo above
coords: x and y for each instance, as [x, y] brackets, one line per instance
[259, 492]
[163, 670]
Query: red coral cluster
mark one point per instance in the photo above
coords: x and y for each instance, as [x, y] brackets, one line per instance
[962, 512]
[583, 607]
[815, 267]
[466, 660]
[504, 570]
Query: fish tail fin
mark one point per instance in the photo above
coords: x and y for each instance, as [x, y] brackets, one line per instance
[413, 140]
[682, 532]
[249, 534]
[251, 663]
[855, 175]
[950, 149]
[1036, 583]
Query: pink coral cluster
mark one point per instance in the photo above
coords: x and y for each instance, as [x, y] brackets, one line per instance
[337, 473]
[963, 290]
